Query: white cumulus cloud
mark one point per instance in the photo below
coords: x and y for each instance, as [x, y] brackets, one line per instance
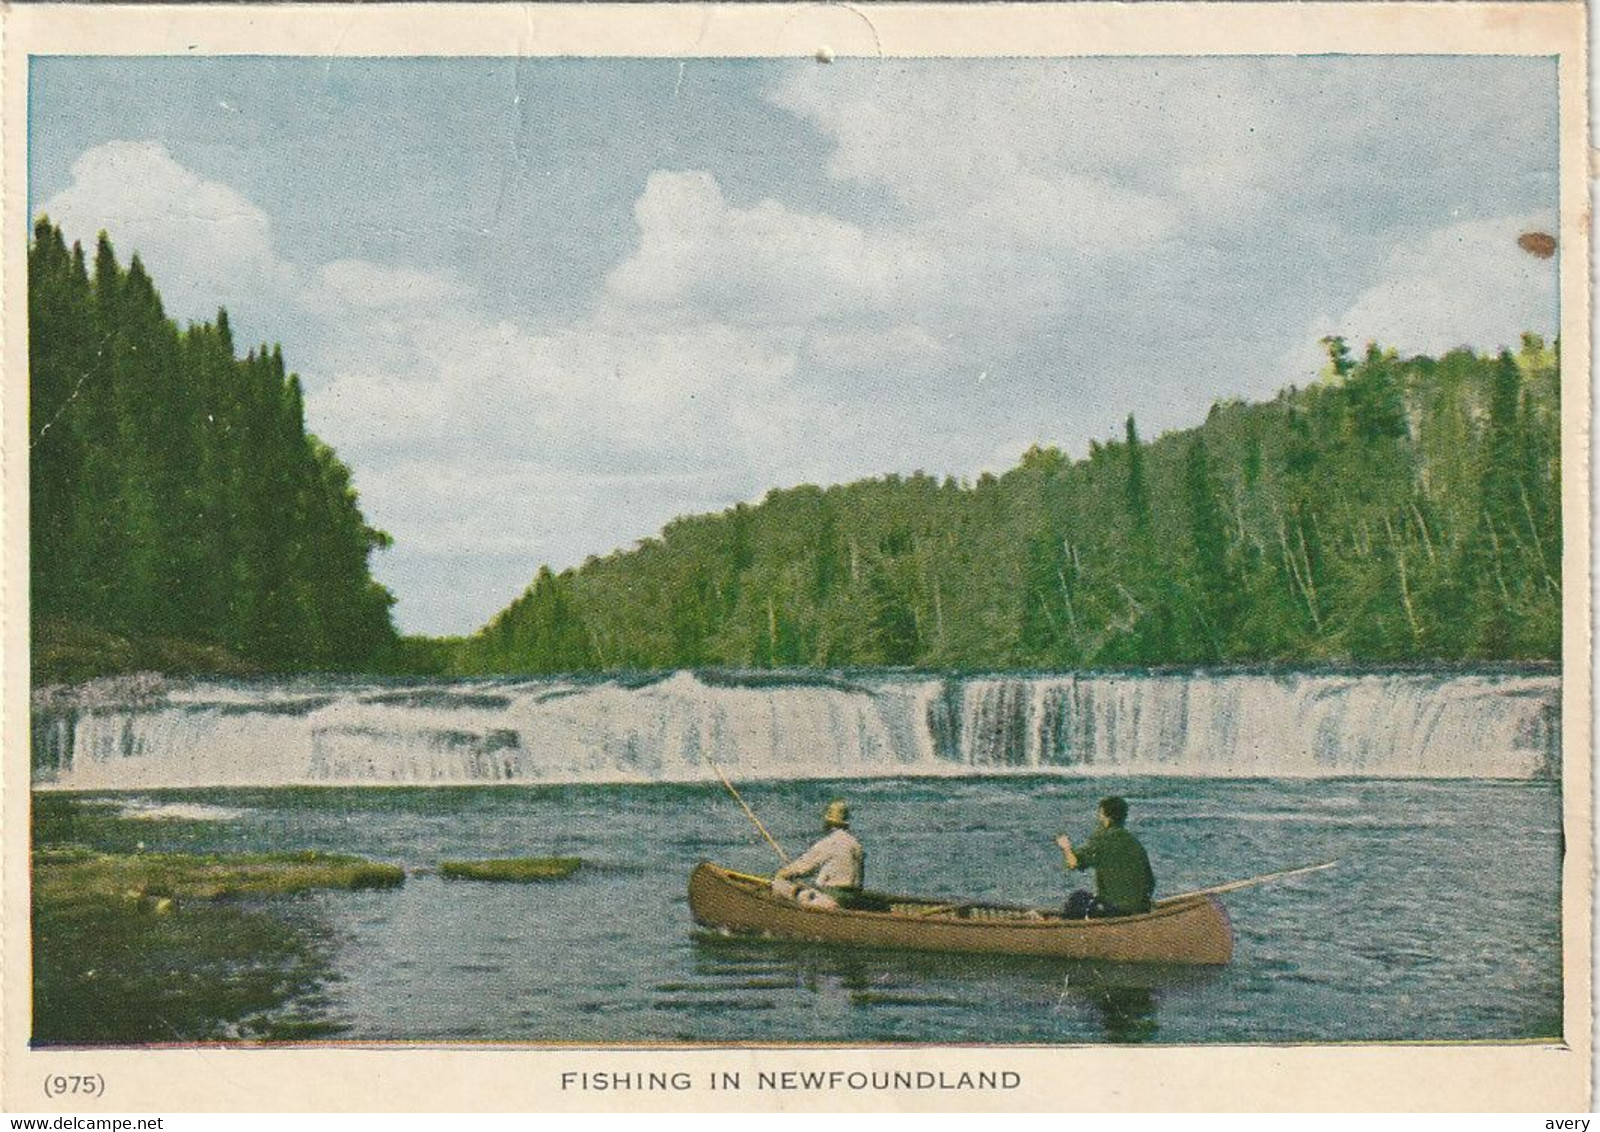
[1466, 284]
[997, 158]
[763, 265]
[204, 243]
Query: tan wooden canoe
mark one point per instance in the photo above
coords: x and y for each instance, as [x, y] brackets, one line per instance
[1185, 929]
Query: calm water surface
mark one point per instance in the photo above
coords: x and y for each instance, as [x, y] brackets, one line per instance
[1441, 922]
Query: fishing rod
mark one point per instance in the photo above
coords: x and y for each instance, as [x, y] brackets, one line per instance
[749, 813]
[1232, 886]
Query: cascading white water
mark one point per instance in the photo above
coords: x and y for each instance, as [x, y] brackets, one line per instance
[1479, 725]
[1420, 725]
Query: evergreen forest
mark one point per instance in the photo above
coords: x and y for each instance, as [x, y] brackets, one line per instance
[1397, 510]
[175, 493]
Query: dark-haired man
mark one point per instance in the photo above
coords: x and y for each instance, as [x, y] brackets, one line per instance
[1123, 882]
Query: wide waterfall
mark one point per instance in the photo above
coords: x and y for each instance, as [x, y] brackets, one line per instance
[684, 726]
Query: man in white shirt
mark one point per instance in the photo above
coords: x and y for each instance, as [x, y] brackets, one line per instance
[834, 863]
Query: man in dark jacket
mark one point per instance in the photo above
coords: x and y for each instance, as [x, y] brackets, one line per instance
[1123, 881]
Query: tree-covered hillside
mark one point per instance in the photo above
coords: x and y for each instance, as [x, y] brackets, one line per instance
[175, 493]
[1398, 509]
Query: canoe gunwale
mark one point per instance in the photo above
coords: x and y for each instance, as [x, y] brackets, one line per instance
[1046, 918]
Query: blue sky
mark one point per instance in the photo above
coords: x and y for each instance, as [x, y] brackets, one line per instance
[543, 306]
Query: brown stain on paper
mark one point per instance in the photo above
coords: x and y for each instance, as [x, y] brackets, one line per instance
[1540, 245]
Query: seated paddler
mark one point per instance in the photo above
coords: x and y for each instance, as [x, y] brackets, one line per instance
[834, 865]
[1123, 880]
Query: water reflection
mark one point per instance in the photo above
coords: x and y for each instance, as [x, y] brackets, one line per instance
[1127, 1014]
[111, 972]
[1053, 999]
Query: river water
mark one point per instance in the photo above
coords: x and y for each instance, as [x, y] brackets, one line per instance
[1442, 921]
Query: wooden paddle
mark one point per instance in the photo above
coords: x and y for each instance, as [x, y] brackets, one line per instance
[1234, 885]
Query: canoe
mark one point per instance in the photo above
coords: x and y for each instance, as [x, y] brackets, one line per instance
[1183, 929]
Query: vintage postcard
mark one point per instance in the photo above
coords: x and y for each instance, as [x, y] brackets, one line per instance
[797, 558]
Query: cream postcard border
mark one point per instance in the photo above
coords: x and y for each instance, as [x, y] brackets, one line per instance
[407, 1077]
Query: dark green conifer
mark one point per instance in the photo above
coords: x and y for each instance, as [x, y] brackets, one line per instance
[175, 493]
